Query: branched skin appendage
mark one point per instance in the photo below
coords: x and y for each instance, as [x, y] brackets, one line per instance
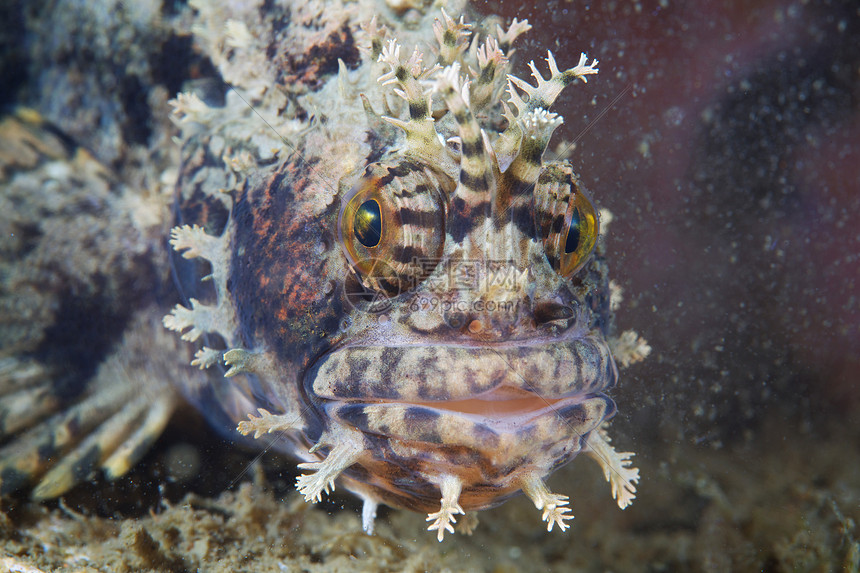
[407, 77]
[206, 357]
[346, 449]
[617, 467]
[267, 423]
[554, 506]
[444, 520]
[514, 31]
[375, 35]
[542, 95]
[446, 171]
[453, 38]
[492, 63]
[193, 242]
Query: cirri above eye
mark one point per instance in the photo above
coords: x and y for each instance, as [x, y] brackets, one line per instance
[392, 224]
[565, 218]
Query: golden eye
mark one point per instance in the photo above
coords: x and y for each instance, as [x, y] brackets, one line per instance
[565, 218]
[392, 225]
[367, 221]
[368, 224]
[581, 230]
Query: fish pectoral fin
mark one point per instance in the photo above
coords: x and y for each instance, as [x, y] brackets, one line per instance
[55, 439]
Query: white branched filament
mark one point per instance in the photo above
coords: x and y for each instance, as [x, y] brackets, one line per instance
[490, 52]
[514, 100]
[407, 75]
[453, 38]
[556, 512]
[491, 68]
[206, 357]
[266, 423]
[623, 488]
[545, 91]
[450, 80]
[199, 319]
[375, 35]
[516, 29]
[413, 66]
[443, 520]
[312, 486]
[629, 348]
[390, 56]
[346, 451]
[554, 506]
[540, 121]
[616, 466]
[188, 107]
[194, 241]
[583, 68]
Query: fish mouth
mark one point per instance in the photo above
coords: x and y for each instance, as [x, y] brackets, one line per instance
[503, 409]
[498, 389]
[502, 401]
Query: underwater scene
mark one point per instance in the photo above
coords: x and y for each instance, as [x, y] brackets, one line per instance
[429, 285]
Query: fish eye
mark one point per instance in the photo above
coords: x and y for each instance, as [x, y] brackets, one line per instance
[392, 225]
[573, 235]
[367, 225]
[566, 219]
[581, 231]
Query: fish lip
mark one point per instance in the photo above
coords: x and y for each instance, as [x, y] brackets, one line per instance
[440, 374]
[506, 421]
[507, 434]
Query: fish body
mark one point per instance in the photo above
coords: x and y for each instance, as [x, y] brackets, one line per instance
[400, 287]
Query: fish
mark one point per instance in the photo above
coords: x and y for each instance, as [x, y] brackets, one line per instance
[374, 270]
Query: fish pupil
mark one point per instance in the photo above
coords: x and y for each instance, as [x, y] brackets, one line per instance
[368, 223]
[572, 241]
